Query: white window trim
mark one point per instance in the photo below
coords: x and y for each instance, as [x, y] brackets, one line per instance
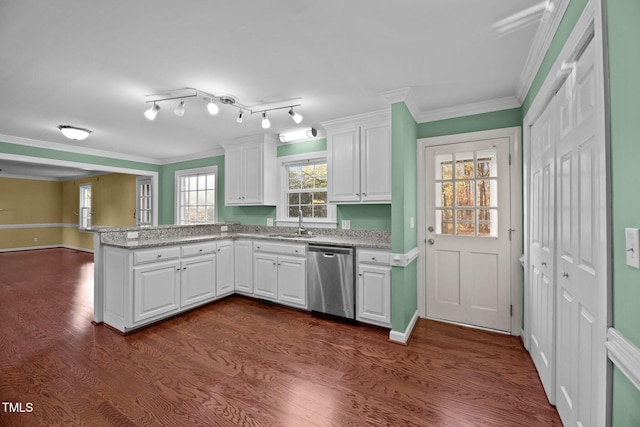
[176, 194]
[81, 206]
[282, 220]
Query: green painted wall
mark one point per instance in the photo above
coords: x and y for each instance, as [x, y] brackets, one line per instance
[624, 86]
[47, 153]
[475, 123]
[366, 217]
[302, 147]
[404, 180]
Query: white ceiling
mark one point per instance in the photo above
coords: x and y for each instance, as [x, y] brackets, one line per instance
[90, 63]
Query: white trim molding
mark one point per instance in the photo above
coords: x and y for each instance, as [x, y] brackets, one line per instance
[405, 95]
[469, 109]
[625, 355]
[403, 260]
[47, 225]
[403, 337]
[541, 42]
[33, 248]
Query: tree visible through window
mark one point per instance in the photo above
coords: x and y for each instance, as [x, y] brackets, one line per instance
[466, 194]
[307, 190]
[196, 196]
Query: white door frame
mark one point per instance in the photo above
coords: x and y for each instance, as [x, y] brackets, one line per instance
[589, 25]
[515, 150]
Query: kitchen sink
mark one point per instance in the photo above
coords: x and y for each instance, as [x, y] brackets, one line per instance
[292, 235]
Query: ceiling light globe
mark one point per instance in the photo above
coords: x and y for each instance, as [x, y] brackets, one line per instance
[266, 124]
[152, 112]
[212, 108]
[295, 116]
[72, 132]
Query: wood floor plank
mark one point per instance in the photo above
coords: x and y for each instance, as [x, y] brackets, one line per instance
[244, 362]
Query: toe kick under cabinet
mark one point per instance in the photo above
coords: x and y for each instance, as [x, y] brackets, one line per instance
[147, 285]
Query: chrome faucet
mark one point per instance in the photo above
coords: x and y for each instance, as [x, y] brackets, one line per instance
[300, 228]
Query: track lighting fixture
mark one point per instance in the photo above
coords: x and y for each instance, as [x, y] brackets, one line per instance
[298, 135]
[152, 112]
[75, 133]
[295, 116]
[214, 102]
[266, 124]
[179, 110]
[212, 108]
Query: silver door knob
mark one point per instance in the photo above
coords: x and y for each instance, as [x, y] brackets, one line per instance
[430, 229]
[431, 241]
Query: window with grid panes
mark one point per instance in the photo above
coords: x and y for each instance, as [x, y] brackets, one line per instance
[306, 190]
[196, 196]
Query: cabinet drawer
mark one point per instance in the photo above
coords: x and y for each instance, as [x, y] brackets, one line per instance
[156, 254]
[280, 248]
[199, 249]
[374, 257]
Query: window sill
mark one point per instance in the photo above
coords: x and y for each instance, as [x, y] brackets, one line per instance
[307, 223]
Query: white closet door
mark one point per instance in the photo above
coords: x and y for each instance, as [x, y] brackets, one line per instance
[581, 247]
[541, 292]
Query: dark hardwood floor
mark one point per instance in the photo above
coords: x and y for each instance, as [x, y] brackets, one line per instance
[242, 362]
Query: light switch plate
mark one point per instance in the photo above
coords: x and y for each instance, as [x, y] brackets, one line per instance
[132, 234]
[346, 224]
[270, 222]
[412, 222]
[632, 241]
[223, 228]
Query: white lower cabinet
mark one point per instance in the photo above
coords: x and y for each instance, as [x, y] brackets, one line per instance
[156, 290]
[147, 285]
[243, 257]
[280, 273]
[374, 288]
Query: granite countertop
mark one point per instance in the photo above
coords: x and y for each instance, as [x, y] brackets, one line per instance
[331, 240]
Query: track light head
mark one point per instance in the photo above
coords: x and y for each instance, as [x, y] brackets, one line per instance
[295, 116]
[239, 118]
[212, 108]
[266, 124]
[152, 112]
[179, 110]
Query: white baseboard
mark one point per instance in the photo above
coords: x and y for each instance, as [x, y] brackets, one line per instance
[31, 248]
[403, 337]
[625, 355]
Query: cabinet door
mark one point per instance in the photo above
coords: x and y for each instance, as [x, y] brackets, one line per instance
[198, 280]
[376, 163]
[233, 183]
[253, 175]
[224, 271]
[265, 276]
[156, 290]
[243, 266]
[374, 295]
[343, 148]
[292, 281]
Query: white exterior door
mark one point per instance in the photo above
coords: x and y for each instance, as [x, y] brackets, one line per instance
[467, 216]
[581, 247]
[541, 292]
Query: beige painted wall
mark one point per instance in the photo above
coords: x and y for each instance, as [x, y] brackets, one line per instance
[27, 201]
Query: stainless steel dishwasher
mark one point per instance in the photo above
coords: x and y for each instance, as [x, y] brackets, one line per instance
[331, 281]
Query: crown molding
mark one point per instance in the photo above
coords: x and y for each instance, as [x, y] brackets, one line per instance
[541, 42]
[470, 109]
[261, 138]
[75, 149]
[405, 95]
[197, 156]
[358, 119]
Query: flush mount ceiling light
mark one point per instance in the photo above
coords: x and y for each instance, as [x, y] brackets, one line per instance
[75, 133]
[298, 135]
[213, 102]
[152, 112]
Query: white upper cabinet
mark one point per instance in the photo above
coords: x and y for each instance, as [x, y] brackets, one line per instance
[359, 158]
[250, 171]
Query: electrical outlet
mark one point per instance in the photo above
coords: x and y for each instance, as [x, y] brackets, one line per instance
[346, 224]
[35, 239]
[132, 234]
[270, 222]
[223, 228]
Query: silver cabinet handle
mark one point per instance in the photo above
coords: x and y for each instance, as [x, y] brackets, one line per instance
[159, 255]
[565, 275]
[544, 264]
